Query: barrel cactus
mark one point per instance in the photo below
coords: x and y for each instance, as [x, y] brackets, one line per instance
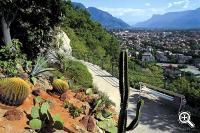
[60, 86]
[13, 91]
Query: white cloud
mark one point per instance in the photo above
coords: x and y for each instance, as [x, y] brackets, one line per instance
[169, 5]
[179, 2]
[149, 9]
[147, 4]
[187, 4]
[182, 4]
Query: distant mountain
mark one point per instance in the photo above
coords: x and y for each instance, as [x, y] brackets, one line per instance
[104, 18]
[173, 20]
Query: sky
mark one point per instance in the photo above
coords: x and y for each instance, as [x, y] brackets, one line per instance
[133, 11]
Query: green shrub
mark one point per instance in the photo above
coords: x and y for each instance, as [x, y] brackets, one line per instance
[11, 57]
[8, 68]
[79, 73]
[67, 105]
[101, 103]
[72, 70]
[73, 87]
[106, 100]
[152, 74]
[74, 111]
[58, 74]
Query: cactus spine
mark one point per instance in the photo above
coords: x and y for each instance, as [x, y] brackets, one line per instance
[124, 92]
[60, 86]
[13, 91]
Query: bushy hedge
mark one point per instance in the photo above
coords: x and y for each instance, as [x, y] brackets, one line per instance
[79, 74]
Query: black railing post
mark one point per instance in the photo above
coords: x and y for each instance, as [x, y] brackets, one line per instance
[112, 68]
[102, 63]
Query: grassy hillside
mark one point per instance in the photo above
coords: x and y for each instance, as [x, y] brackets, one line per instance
[147, 73]
[88, 39]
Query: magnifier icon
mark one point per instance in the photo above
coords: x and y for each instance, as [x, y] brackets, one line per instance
[184, 118]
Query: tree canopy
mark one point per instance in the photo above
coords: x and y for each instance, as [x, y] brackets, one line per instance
[30, 21]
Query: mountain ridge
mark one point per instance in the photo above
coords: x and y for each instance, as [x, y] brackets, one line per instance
[104, 18]
[173, 20]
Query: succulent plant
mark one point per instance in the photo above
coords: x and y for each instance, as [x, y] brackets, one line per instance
[44, 108]
[89, 91]
[40, 66]
[58, 121]
[41, 118]
[103, 115]
[106, 114]
[99, 116]
[75, 112]
[35, 111]
[108, 125]
[38, 100]
[60, 86]
[98, 102]
[35, 124]
[13, 91]
[124, 92]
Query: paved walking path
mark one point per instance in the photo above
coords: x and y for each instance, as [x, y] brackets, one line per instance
[157, 114]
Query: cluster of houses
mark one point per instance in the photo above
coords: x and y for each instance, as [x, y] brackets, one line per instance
[169, 47]
[148, 55]
[166, 58]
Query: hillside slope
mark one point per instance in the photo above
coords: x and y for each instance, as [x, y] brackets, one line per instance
[89, 40]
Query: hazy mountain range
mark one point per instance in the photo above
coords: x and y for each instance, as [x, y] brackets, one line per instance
[173, 20]
[105, 19]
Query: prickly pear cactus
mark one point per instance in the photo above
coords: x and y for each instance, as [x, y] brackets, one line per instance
[60, 86]
[108, 125]
[44, 108]
[35, 124]
[13, 91]
[58, 121]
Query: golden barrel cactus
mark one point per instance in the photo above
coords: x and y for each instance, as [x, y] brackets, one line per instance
[13, 91]
[60, 86]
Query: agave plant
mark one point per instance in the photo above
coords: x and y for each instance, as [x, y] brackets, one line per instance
[40, 67]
